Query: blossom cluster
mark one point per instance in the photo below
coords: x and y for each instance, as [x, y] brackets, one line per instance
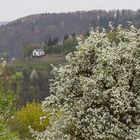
[98, 91]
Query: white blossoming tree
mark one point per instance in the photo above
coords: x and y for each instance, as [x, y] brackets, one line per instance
[98, 92]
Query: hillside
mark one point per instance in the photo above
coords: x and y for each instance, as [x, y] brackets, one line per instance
[3, 23]
[43, 67]
[40, 27]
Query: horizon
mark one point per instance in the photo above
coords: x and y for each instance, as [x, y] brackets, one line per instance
[65, 12]
[14, 9]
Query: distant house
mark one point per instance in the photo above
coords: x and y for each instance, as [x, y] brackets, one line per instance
[38, 52]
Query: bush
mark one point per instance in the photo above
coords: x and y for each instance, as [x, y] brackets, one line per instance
[7, 107]
[99, 90]
[30, 116]
[6, 134]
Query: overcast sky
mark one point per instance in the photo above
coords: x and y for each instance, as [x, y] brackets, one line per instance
[13, 9]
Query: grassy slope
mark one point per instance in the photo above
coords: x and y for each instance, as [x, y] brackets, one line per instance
[36, 63]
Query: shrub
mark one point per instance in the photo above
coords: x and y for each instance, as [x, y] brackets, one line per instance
[6, 134]
[7, 107]
[30, 116]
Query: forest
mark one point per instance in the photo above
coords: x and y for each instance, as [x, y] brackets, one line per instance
[69, 74]
[90, 94]
[39, 28]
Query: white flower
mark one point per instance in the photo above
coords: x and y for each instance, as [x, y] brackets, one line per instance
[98, 92]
